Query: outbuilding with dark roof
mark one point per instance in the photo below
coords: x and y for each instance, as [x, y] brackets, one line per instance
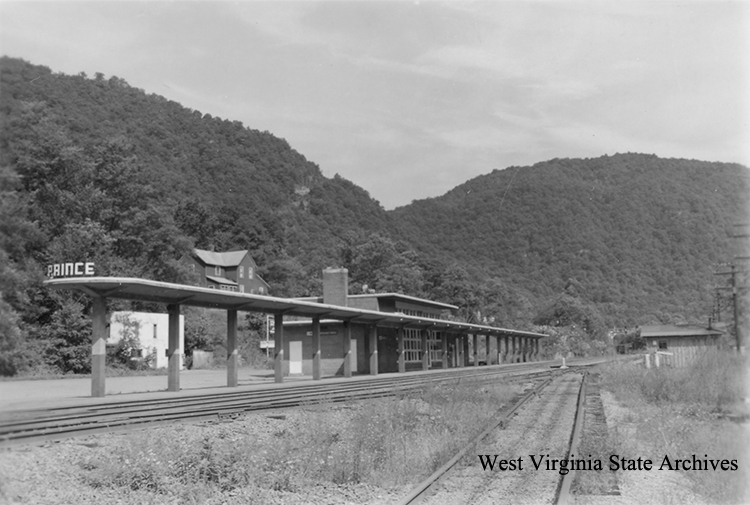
[681, 344]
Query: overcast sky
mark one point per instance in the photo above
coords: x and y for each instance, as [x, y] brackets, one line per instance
[410, 99]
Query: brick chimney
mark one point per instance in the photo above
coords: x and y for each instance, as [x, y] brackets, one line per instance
[335, 286]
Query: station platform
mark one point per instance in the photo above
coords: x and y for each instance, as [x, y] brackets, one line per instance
[25, 395]
[50, 393]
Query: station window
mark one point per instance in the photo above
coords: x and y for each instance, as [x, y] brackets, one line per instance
[261, 290]
[242, 288]
[249, 272]
[662, 345]
[217, 270]
[242, 272]
[155, 333]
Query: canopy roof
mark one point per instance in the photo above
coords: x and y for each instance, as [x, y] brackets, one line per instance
[179, 294]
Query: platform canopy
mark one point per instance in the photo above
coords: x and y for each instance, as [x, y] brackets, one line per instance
[179, 294]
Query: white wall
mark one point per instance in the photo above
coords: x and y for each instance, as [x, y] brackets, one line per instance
[153, 333]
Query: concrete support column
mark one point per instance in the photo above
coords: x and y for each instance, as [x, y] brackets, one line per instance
[522, 347]
[536, 349]
[531, 349]
[476, 349]
[425, 349]
[506, 349]
[444, 347]
[401, 354]
[98, 346]
[519, 357]
[347, 349]
[532, 354]
[456, 350]
[278, 348]
[513, 350]
[527, 349]
[232, 354]
[489, 349]
[465, 349]
[173, 351]
[373, 340]
[316, 348]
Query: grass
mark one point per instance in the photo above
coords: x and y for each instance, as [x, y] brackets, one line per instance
[680, 412]
[384, 442]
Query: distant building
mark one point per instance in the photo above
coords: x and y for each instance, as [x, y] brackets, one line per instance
[150, 331]
[228, 271]
[681, 343]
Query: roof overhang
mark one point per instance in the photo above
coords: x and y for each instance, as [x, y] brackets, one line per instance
[145, 290]
[677, 331]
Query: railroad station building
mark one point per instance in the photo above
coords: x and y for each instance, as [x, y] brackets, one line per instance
[422, 348]
[338, 334]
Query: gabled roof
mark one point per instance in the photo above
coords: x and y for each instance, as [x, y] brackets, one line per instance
[220, 259]
[677, 330]
[221, 280]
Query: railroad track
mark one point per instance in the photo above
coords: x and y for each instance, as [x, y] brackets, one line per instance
[43, 425]
[538, 424]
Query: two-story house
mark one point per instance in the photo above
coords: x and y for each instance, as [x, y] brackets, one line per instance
[228, 271]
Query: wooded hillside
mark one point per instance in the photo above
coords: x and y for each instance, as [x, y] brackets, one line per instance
[636, 235]
[93, 169]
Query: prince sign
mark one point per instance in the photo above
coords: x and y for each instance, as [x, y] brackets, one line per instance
[70, 270]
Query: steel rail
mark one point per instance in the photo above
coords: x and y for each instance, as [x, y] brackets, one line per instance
[563, 495]
[420, 490]
[44, 425]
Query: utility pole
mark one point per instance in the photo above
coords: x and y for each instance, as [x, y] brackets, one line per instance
[735, 306]
[733, 284]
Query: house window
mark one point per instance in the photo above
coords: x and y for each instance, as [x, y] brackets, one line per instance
[155, 334]
[261, 290]
[242, 272]
[217, 270]
[211, 286]
[249, 272]
[242, 288]
[662, 345]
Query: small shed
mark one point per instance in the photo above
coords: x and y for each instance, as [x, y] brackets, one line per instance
[683, 343]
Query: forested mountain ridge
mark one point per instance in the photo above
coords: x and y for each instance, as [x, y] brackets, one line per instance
[92, 169]
[636, 235]
[225, 184]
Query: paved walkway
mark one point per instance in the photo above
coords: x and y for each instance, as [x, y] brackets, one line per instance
[24, 394]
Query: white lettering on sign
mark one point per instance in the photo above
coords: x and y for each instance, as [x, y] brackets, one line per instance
[78, 269]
